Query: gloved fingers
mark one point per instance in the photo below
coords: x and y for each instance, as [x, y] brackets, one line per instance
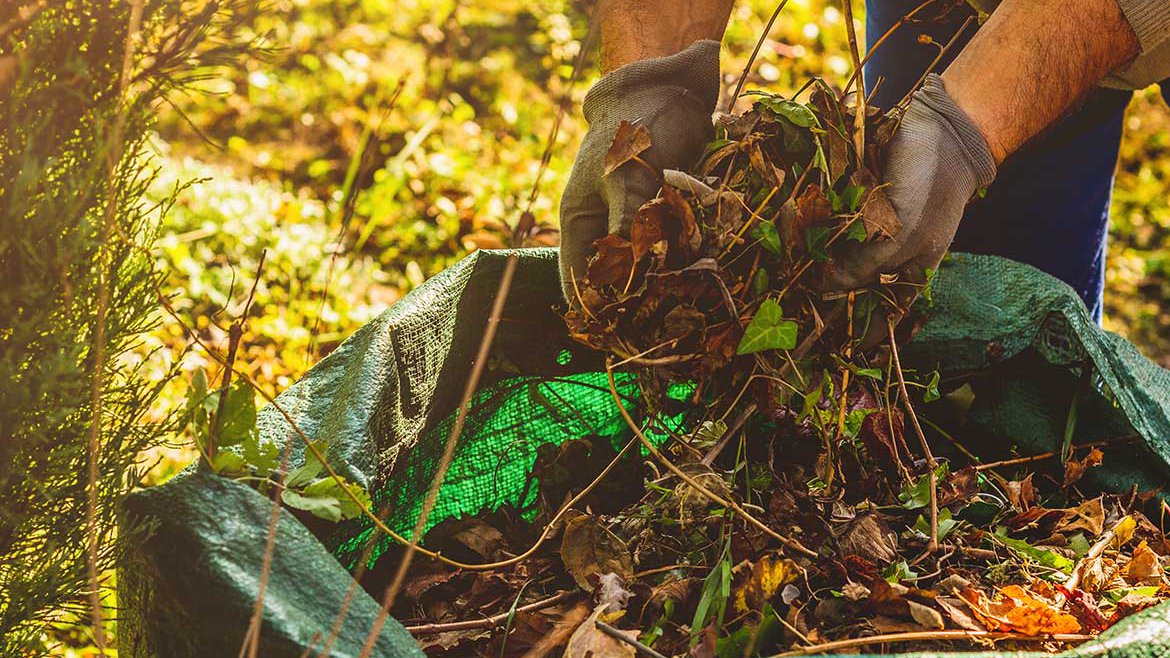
[579, 230]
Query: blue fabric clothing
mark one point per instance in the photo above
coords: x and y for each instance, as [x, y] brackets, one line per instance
[1049, 204]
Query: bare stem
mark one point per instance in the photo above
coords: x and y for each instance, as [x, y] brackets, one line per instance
[693, 483]
[931, 463]
[97, 385]
[928, 636]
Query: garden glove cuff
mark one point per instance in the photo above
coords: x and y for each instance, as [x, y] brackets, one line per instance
[673, 97]
[936, 161]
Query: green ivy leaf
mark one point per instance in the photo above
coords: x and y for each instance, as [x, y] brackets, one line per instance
[794, 112]
[816, 240]
[917, 495]
[760, 282]
[768, 330]
[709, 433]
[945, 524]
[898, 571]
[853, 421]
[932, 393]
[856, 231]
[768, 236]
[852, 196]
[237, 421]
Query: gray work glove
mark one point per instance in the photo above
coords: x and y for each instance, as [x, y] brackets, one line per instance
[936, 161]
[673, 97]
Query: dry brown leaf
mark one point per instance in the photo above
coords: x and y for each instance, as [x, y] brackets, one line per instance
[958, 615]
[590, 549]
[871, 538]
[926, 616]
[1144, 567]
[612, 593]
[1075, 469]
[630, 141]
[877, 213]
[1021, 494]
[613, 263]
[588, 641]
[1089, 516]
[960, 486]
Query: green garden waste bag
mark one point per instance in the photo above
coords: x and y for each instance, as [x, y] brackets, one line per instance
[385, 400]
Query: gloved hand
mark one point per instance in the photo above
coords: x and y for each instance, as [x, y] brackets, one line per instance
[673, 97]
[936, 161]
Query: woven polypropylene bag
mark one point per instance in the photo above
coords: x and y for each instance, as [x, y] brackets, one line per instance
[385, 400]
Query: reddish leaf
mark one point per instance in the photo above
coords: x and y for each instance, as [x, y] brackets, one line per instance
[1075, 469]
[613, 263]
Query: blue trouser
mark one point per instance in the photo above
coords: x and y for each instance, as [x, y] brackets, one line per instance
[1049, 204]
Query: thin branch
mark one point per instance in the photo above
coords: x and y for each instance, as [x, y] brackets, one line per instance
[941, 53]
[1121, 440]
[626, 639]
[931, 463]
[859, 73]
[751, 60]
[929, 636]
[494, 620]
[105, 273]
[694, 484]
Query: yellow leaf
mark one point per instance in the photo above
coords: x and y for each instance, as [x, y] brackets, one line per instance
[767, 576]
[1123, 532]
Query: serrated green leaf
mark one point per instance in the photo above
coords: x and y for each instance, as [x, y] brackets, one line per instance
[326, 498]
[326, 507]
[928, 289]
[226, 461]
[310, 470]
[768, 330]
[262, 456]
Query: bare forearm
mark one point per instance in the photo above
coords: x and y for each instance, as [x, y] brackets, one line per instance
[632, 30]
[1032, 62]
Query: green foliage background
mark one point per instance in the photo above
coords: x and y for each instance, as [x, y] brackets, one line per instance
[453, 160]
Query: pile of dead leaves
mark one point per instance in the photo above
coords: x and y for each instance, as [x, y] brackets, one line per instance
[804, 510]
[676, 573]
